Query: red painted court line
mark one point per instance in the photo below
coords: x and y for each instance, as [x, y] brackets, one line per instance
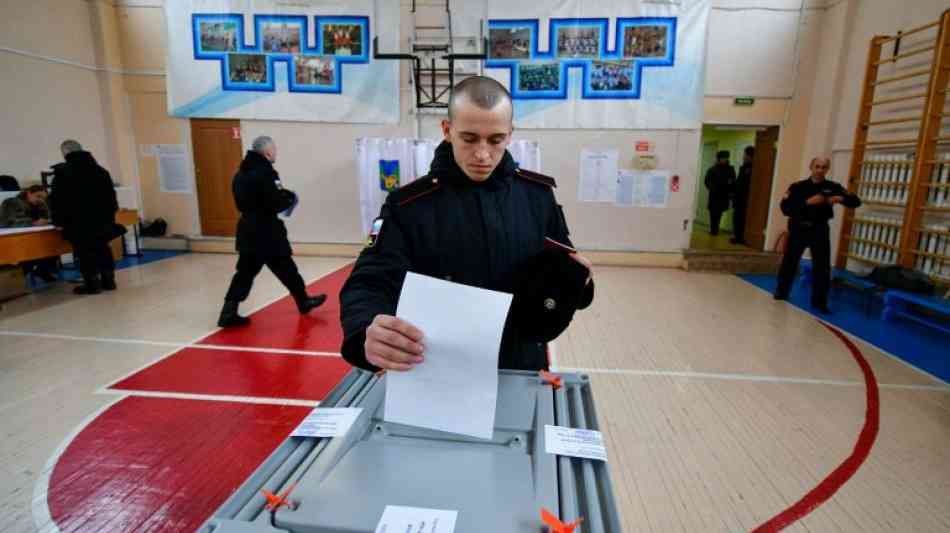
[156, 464]
[279, 325]
[240, 373]
[830, 485]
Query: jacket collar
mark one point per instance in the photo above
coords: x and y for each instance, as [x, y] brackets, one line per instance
[445, 167]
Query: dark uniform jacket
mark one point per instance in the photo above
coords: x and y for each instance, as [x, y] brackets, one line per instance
[719, 181]
[16, 212]
[82, 199]
[740, 191]
[260, 198]
[448, 226]
[800, 214]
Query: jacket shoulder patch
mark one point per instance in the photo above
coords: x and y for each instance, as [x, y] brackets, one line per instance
[535, 177]
[415, 190]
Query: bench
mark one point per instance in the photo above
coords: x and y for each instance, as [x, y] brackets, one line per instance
[847, 278]
[909, 305]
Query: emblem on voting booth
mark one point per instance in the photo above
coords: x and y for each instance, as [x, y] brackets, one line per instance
[388, 175]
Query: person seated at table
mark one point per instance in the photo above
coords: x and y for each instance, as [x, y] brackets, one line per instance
[25, 210]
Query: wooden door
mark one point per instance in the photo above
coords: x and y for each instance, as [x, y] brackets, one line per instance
[217, 149]
[760, 190]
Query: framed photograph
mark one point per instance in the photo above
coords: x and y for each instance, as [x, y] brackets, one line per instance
[343, 39]
[539, 76]
[247, 68]
[281, 37]
[314, 70]
[645, 41]
[611, 75]
[218, 36]
[509, 43]
[578, 41]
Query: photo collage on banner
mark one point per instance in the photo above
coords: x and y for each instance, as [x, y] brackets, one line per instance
[314, 64]
[613, 64]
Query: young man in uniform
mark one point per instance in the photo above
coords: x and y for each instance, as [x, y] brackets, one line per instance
[475, 219]
[808, 205]
[261, 235]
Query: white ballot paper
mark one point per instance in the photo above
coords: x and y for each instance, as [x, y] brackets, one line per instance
[327, 422]
[455, 389]
[398, 519]
[571, 442]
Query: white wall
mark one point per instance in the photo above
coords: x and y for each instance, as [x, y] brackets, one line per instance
[810, 88]
[45, 102]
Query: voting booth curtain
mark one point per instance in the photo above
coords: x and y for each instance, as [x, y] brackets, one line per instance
[276, 60]
[385, 164]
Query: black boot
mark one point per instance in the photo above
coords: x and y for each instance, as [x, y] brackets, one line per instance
[230, 317]
[307, 303]
[89, 286]
[108, 281]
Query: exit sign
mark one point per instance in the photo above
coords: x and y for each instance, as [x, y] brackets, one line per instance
[745, 100]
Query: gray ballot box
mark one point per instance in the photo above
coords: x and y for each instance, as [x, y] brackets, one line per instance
[343, 484]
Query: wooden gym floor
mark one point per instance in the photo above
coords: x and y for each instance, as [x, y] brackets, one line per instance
[721, 408]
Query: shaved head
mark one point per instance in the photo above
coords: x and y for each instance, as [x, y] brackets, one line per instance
[485, 93]
[479, 125]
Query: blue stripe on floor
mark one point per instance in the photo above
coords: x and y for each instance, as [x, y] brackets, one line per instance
[922, 347]
[70, 273]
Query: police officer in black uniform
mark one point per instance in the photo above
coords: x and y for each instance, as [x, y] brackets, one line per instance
[719, 180]
[808, 205]
[261, 235]
[740, 197]
[475, 219]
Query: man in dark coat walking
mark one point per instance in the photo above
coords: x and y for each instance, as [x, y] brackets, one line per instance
[719, 180]
[83, 204]
[261, 235]
[740, 197]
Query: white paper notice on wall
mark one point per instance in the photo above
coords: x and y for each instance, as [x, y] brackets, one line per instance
[598, 179]
[159, 149]
[174, 173]
[643, 188]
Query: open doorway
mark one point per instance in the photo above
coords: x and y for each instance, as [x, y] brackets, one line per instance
[717, 140]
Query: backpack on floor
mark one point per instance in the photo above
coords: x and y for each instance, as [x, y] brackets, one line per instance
[156, 228]
[905, 279]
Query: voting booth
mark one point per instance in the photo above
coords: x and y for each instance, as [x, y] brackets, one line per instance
[344, 484]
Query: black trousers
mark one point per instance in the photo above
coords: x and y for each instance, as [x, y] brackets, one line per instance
[816, 238]
[715, 216]
[95, 260]
[738, 221]
[249, 265]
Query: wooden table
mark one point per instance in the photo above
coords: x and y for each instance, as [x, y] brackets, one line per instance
[25, 244]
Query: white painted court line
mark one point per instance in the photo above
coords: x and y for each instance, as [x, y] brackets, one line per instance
[209, 397]
[751, 377]
[42, 518]
[171, 344]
